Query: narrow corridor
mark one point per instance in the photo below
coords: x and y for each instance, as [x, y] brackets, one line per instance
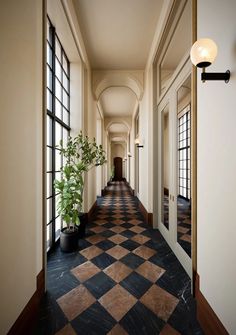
[124, 279]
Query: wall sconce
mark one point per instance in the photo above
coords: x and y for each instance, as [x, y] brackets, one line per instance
[138, 143]
[129, 154]
[203, 54]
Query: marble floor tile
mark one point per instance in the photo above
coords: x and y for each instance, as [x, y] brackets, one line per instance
[150, 271]
[134, 221]
[67, 330]
[94, 239]
[85, 271]
[144, 252]
[117, 252]
[186, 238]
[132, 261]
[117, 302]
[117, 330]
[168, 330]
[123, 279]
[75, 302]
[141, 321]
[94, 321]
[99, 284]
[141, 239]
[118, 271]
[91, 252]
[117, 229]
[160, 302]
[117, 239]
[137, 229]
[98, 229]
[137, 285]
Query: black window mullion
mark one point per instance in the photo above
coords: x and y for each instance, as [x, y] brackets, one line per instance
[53, 136]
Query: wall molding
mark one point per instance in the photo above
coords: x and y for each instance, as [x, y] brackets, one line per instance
[207, 318]
[28, 317]
[148, 217]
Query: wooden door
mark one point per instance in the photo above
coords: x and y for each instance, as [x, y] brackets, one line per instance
[118, 168]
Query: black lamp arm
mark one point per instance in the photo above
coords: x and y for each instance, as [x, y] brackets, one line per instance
[216, 76]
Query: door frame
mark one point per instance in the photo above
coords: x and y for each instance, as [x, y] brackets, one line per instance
[164, 40]
[170, 234]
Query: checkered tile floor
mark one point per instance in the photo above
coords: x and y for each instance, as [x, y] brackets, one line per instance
[123, 280]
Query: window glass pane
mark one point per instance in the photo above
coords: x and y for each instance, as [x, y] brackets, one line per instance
[49, 55]
[58, 90]
[48, 235]
[58, 134]
[49, 159]
[49, 78]
[49, 130]
[65, 82]
[49, 100]
[58, 70]
[49, 184]
[65, 116]
[49, 33]
[49, 210]
[58, 108]
[65, 136]
[65, 99]
[58, 160]
[58, 175]
[65, 65]
[58, 49]
[57, 228]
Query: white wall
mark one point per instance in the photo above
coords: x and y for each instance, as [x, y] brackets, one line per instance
[117, 150]
[145, 135]
[21, 155]
[217, 165]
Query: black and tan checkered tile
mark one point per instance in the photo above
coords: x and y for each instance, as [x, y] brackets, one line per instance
[123, 280]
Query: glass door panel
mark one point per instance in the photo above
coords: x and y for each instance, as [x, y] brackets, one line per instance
[184, 227]
[165, 165]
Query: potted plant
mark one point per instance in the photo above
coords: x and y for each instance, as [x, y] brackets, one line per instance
[80, 156]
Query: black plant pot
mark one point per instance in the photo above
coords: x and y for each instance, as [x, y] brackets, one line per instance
[69, 240]
[83, 217]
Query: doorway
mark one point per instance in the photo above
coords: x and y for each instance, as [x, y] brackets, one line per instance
[118, 173]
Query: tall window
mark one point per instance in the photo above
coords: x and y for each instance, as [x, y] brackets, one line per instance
[184, 152]
[58, 124]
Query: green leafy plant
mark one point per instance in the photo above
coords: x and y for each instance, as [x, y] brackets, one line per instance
[80, 156]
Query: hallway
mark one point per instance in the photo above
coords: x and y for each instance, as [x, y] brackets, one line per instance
[124, 279]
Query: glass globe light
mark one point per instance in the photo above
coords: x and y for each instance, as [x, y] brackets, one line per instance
[203, 52]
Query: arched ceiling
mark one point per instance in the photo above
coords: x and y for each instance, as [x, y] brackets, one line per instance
[118, 33]
[118, 128]
[117, 101]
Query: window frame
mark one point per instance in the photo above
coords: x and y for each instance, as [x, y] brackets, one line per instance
[184, 153]
[55, 122]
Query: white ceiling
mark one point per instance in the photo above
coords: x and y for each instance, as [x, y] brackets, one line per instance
[117, 102]
[118, 128]
[118, 33]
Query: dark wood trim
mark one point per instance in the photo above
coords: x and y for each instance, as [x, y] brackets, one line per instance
[148, 217]
[166, 191]
[92, 209]
[28, 317]
[207, 318]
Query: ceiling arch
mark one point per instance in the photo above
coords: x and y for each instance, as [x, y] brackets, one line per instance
[124, 126]
[119, 80]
